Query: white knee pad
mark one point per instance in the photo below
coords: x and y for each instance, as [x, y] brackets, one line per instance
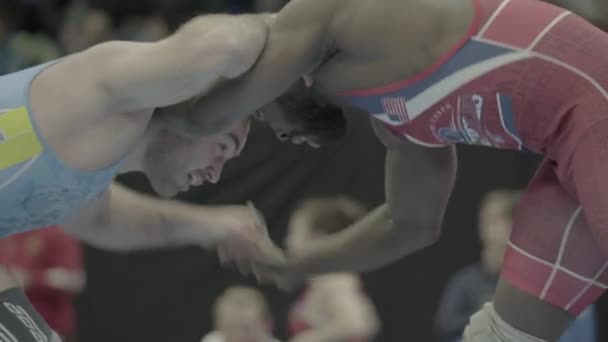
[487, 326]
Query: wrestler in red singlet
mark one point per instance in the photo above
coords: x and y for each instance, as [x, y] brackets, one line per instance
[529, 76]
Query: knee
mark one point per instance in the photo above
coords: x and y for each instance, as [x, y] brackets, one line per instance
[487, 326]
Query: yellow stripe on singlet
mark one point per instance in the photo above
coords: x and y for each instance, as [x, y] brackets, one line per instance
[18, 140]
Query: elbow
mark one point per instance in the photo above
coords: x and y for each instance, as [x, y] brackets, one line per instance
[423, 233]
[232, 44]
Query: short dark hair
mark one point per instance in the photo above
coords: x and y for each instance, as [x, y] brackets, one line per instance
[325, 121]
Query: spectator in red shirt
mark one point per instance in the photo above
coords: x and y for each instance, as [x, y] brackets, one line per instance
[48, 264]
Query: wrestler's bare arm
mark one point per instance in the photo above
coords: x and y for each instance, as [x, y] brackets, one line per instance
[297, 42]
[119, 77]
[418, 185]
[124, 220]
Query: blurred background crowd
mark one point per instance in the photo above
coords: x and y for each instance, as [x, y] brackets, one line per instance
[184, 295]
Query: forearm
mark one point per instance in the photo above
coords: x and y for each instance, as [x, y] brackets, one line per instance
[132, 221]
[369, 244]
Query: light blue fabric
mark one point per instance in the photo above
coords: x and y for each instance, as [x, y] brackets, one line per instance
[42, 191]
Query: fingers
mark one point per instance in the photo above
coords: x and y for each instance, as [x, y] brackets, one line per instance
[269, 269]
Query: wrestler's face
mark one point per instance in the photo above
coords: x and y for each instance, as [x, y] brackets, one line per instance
[174, 162]
[299, 117]
[286, 127]
[240, 323]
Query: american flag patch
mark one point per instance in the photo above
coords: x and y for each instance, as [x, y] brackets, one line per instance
[395, 108]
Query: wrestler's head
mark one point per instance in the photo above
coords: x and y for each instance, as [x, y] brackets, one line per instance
[319, 217]
[495, 220]
[242, 315]
[300, 117]
[173, 161]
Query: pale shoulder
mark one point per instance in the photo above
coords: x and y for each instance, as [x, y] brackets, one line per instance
[77, 83]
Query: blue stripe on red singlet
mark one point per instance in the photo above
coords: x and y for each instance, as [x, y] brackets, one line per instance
[472, 52]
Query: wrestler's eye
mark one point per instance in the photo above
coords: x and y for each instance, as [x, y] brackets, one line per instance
[223, 147]
[259, 114]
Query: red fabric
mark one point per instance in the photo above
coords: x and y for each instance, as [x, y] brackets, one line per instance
[532, 77]
[558, 249]
[297, 323]
[35, 252]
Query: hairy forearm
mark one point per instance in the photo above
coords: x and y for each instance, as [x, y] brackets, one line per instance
[369, 244]
[132, 221]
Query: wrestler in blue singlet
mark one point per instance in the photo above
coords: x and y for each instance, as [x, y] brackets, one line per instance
[36, 188]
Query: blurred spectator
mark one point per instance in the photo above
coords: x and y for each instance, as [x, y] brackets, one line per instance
[334, 307]
[48, 264]
[471, 287]
[144, 29]
[268, 5]
[83, 27]
[19, 49]
[241, 315]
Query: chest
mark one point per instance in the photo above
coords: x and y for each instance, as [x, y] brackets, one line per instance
[42, 192]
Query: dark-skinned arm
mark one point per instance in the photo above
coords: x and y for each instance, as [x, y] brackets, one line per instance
[418, 185]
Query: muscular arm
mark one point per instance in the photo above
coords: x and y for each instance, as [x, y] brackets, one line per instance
[297, 43]
[418, 184]
[123, 220]
[120, 77]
